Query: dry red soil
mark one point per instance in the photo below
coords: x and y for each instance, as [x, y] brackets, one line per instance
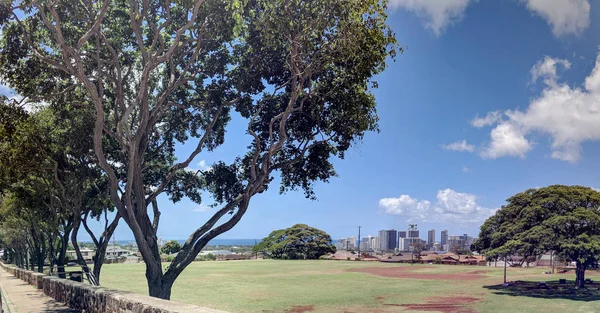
[410, 272]
[442, 304]
[300, 309]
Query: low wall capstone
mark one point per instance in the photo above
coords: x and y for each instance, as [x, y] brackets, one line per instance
[96, 299]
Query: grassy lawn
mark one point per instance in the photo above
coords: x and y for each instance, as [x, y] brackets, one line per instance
[339, 286]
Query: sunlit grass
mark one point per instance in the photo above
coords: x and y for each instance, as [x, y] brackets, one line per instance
[274, 286]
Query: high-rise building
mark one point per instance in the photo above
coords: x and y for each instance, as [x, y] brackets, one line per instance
[365, 243]
[444, 239]
[351, 243]
[413, 233]
[388, 239]
[430, 238]
[402, 234]
[383, 240]
[467, 241]
[409, 243]
[392, 239]
[401, 243]
[375, 243]
[341, 244]
[455, 243]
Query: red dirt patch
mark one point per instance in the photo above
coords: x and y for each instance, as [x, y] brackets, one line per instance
[477, 272]
[300, 309]
[409, 272]
[442, 304]
[380, 298]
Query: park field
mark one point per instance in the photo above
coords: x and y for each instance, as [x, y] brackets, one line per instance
[347, 286]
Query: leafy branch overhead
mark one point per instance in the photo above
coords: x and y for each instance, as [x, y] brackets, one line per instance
[158, 74]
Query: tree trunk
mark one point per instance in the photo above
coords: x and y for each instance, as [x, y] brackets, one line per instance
[80, 259]
[505, 269]
[102, 243]
[42, 257]
[162, 289]
[62, 252]
[27, 259]
[580, 275]
[99, 258]
[157, 286]
[147, 242]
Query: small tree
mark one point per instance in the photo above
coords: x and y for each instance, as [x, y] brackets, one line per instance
[297, 242]
[418, 247]
[170, 247]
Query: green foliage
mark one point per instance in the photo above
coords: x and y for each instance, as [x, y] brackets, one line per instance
[159, 75]
[565, 219]
[297, 242]
[170, 247]
[207, 257]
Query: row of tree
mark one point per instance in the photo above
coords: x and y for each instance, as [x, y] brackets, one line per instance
[562, 219]
[50, 187]
[120, 84]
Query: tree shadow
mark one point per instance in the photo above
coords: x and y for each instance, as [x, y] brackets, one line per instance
[554, 290]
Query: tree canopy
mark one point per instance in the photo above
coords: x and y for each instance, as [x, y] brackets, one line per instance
[157, 74]
[297, 242]
[564, 219]
[170, 247]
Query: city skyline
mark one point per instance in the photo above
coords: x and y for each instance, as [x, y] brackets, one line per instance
[400, 240]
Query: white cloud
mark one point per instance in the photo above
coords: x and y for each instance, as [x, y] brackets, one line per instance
[461, 146]
[404, 205]
[201, 208]
[450, 201]
[507, 140]
[438, 14]
[569, 115]
[565, 16]
[546, 69]
[201, 166]
[466, 169]
[489, 119]
[451, 206]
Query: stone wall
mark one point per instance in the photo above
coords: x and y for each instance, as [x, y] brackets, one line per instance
[96, 299]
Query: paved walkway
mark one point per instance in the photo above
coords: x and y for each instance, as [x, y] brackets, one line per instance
[19, 297]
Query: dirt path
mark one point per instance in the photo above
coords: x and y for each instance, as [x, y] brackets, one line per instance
[18, 296]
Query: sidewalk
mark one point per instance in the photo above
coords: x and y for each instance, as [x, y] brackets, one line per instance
[19, 297]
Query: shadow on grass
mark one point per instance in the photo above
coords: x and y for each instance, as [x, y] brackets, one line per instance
[591, 292]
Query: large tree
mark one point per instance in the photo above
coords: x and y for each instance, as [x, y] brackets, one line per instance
[564, 219]
[297, 242]
[297, 73]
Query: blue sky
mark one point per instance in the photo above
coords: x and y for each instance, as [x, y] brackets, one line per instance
[489, 99]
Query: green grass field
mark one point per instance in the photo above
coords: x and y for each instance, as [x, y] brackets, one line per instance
[336, 286]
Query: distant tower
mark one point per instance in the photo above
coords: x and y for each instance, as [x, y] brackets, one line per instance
[430, 238]
[413, 232]
[444, 239]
